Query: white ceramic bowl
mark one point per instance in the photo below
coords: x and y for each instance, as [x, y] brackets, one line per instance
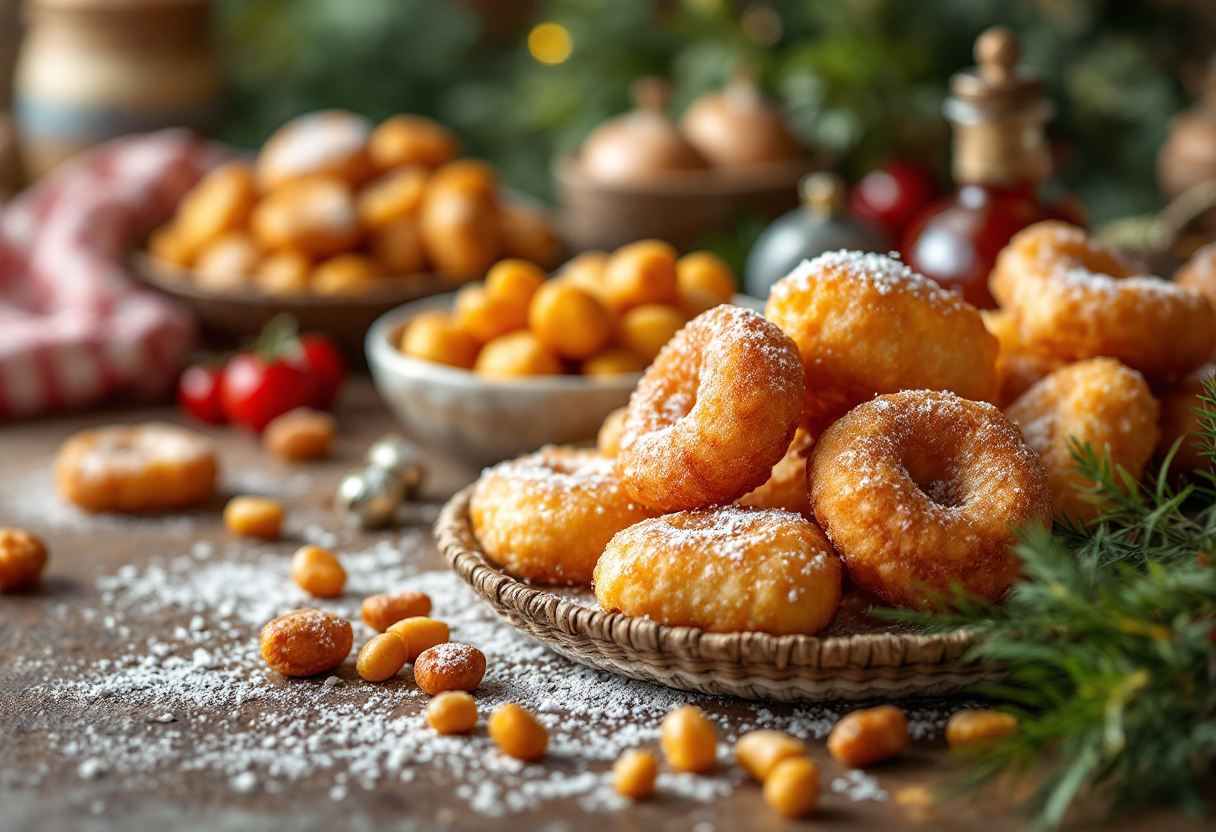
[478, 420]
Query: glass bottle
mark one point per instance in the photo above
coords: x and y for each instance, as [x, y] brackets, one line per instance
[1000, 157]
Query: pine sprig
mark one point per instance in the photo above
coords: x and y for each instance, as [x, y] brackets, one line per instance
[1109, 636]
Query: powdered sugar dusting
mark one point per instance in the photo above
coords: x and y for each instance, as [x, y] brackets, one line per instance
[881, 273]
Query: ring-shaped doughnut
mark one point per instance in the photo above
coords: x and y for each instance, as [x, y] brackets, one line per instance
[713, 414]
[723, 569]
[1075, 298]
[547, 516]
[920, 493]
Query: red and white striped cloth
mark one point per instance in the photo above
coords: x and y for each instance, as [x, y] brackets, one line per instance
[75, 326]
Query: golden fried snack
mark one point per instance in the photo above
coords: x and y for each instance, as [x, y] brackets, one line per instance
[1199, 273]
[220, 202]
[486, 316]
[920, 492]
[641, 272]
[411, 140]
[868, 324]
[571, 322]
[148, 467]
[517, 353]
[608, 440]
[283, 273]
[644, 330]
[703, 281]
[316, 216]
[586, 271]
[344, 274]
[1100, 402]
[394, 195]
[1016, 364]
[227, 263]
[327, 142]
[547, 516]
[528, 234]
[713, 414]
[724, 570]
[1075, 298]
[397, 247]
[612, 361]
[460, 229]
[435, 336]
[1179, 419]
[788, 487]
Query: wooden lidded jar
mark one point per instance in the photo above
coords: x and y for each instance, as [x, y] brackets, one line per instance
[90, 70]
[1188, 156]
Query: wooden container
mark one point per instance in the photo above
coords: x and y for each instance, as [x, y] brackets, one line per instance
[90, 70]
[846, 662]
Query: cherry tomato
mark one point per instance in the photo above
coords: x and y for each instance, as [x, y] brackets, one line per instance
[198, 393]
[893, 195]
[255, 390]
[325, 363]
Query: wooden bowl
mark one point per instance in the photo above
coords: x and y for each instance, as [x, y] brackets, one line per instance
[346, 318]
[854, 659]
[679, 207]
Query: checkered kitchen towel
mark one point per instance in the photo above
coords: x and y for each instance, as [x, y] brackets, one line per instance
[75, 326]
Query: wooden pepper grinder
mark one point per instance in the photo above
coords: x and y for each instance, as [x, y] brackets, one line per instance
[998, 113]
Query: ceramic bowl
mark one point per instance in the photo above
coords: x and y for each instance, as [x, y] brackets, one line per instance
[478, 420]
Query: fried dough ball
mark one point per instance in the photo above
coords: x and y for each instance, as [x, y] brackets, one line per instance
[723, 570]
[228, 262]
[787, 488]
[283, 273]
[514, 281]
[1075, 298]
[646, 329]
[220, 202]
[148, 467]
[703, 282]
[435, 336]
[1179, 419]
[1099, 401]
[1017, 365]
[608, 441]
[166, 243]
[569, 321]
[1199, 273]
[460, 231]
[612, 361]
[516, 354]
[586, 271]
[713, 414]
[547, 517]
[344, 274]
[486, 316]
[868, 324]
[316, 216]
[641, 272]
[394, 195]
[397, 247]
[411, 140]
[328, 142]
[921, 491]
[528, 234]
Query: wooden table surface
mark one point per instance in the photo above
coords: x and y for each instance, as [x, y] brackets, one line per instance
[129, 711]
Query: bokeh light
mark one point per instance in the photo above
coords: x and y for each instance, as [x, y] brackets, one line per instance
[550, 43]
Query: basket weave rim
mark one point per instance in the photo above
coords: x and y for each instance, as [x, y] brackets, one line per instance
[512, 598]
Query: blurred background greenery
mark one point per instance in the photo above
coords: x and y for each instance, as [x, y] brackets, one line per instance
[862, 79]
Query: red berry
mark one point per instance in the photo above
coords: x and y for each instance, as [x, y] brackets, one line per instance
[198, 393]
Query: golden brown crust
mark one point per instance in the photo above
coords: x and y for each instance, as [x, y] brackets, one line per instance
[608, 441]
[920, 492]
[1017, 365]
[1099, 401]
[868, 324]
[725, 569]
[547, 517]
[1179, 419]
[306, 642]
[788, 487]
[713, 414]
[1074, 298]
[1199, 273]
[149, 467]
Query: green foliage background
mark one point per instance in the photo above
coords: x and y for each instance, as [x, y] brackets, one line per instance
[860, 78]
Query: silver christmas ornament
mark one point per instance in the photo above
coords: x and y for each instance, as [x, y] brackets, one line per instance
[368, 497]
[400, 457]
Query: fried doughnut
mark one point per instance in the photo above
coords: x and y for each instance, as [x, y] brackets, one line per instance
[608, 440]
[149, 467]
[724, 570]
[713, 414]
[1075, 298]
[1017, 366]
[1199, 273]
[868, 324]
[787, 488]
[547, 517]
[1179, 419]
[329, 142]
[1098, 401]
[920, 492]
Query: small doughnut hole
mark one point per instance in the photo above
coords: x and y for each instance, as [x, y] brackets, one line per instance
[254, 516]
[22, 559]
[634, 774]
[792, 787]
[449, 666]
[869, 736]
[318, 572]
[758, 752]
[381, 658]
[384, 610]
[689, 740]
[420, 633]
[452, 712]
[517, 733]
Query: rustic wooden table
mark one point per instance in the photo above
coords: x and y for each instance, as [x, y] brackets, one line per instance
[132, 696]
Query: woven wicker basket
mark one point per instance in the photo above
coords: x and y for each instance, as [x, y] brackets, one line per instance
[829, 667]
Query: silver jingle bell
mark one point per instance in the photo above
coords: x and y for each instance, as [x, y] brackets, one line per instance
[368, 497]
[401, 457]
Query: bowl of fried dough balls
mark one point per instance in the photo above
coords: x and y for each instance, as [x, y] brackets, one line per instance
[337, 220]
[521, 360]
